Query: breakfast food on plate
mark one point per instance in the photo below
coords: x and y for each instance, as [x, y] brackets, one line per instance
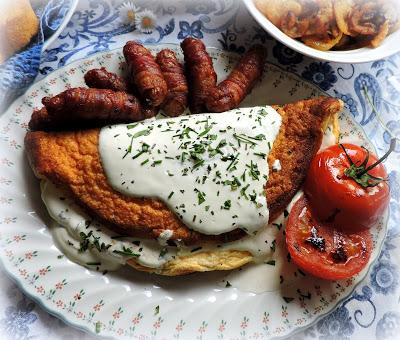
[334, 24]
[207, 191]
[83, 105]
[18, 25]
[231, 91]
[199, 72]
[145, 73]
[176, 101]
[100, 78]
[298, 133]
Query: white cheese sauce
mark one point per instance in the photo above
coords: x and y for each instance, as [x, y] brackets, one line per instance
[90, 243]
[210, 169]
[94, 246]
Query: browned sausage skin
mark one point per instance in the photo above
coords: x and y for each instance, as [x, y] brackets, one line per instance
[202, 78]
[100, 78]
[90, 107]
[230, 92]
[145, 73]
[176, 101]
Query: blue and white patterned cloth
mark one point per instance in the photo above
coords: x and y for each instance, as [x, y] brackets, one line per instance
[373, 310]
[19, 71]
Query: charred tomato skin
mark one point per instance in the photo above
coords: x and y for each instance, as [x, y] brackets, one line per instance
[323, 250]
[337, 198]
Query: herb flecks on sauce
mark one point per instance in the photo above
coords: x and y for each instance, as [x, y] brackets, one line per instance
[197, 165]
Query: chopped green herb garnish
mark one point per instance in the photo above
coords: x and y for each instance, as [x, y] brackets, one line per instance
[206, 130]
[87, 242]
[233, 161]
[129, 149]
[200, 196]
[243, 191]
[235, 183]
[156, 163]
[131, 126]
[253, 170]
[126, 252]
[273, 246]
[227, 205]
[262, 112]
[244, 139]
[144, 149]
[261, 154]
[163, 252]
[197, 164]
[145, 132]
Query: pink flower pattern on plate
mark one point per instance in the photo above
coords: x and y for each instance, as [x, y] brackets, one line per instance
[59, 285]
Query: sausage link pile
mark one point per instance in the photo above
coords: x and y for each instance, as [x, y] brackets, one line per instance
[151, 83]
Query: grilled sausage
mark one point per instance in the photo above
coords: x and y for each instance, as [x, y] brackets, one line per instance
[176, 101]
[79, 107]
[230, 92]
[100, 78]
[202, 78]
[145, 73]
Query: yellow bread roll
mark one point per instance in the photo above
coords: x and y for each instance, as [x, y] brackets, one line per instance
[18, 24]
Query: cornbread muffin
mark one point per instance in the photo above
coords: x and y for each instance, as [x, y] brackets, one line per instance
[18, 24]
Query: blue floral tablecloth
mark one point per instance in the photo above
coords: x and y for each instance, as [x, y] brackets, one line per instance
[373, 311]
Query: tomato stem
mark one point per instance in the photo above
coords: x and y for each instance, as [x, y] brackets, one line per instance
[360, 173]
[391, 149]
[347, 155]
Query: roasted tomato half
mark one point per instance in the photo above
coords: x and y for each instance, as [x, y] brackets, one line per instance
[346, 186]
[322, 249]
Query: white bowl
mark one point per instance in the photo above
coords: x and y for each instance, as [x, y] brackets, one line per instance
[390, 45]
